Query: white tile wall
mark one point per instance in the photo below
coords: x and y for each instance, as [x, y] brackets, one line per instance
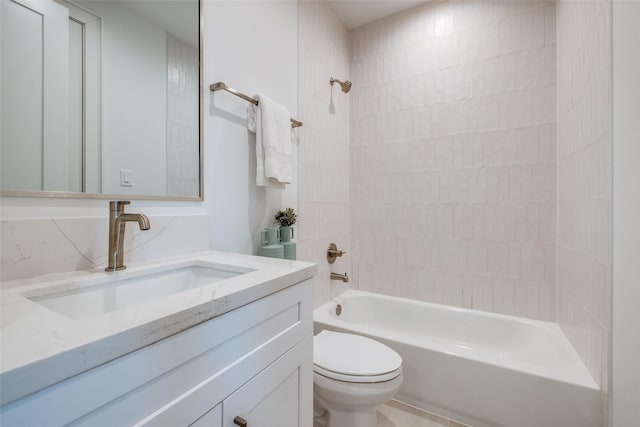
[453, 176]
[323, 150]
[183, 145]
[32, 247]
[584, 180]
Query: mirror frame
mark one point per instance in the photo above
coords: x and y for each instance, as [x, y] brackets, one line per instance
[77, 195]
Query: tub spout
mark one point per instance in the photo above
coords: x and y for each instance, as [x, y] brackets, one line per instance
[343, 277]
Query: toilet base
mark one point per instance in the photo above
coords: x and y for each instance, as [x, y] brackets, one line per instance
[356, 417]
[340, 404]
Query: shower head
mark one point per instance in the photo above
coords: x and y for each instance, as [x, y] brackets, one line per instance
[346, 85]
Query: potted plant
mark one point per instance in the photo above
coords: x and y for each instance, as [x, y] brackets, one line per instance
[286, 219]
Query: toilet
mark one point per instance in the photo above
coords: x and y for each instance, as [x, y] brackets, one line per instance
[352, 374]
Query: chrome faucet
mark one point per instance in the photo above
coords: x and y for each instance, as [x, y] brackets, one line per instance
[343, 277]
[117, 222]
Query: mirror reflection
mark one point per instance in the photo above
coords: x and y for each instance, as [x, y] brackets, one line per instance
[100, 96]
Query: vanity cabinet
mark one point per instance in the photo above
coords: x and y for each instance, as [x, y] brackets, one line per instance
[272, 398]
[253, 362]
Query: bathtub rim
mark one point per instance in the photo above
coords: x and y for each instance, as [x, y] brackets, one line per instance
[322, 316]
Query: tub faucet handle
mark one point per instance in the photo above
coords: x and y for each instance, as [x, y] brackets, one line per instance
[333, 253]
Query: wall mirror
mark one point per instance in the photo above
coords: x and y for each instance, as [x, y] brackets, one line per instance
[100, 98]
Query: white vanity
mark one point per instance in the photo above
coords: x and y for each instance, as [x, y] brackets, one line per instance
[210, 339]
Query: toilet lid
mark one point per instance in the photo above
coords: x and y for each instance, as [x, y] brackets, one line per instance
[342, 356]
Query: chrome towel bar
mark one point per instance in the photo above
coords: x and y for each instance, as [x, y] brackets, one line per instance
[223, 86]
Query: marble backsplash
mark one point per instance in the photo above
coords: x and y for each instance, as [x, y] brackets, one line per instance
[33, 247]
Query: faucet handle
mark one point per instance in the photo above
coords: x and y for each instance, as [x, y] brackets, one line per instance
[333, 253]
[118, 205]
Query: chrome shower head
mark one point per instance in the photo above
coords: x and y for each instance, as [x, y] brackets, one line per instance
[346, 85]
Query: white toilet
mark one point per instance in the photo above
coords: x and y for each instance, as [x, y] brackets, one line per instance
[351, 375]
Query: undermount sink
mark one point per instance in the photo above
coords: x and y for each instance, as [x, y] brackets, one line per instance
[90, 296]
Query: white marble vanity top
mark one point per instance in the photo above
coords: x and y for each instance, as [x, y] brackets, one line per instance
[40, 347]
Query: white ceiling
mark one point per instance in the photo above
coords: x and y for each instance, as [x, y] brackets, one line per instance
[359, 12]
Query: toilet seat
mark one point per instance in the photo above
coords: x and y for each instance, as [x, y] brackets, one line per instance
[357, 378]
[354, 358]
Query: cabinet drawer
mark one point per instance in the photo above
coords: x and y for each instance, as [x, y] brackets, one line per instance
[148, 382]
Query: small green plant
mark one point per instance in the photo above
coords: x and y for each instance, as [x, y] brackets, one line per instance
[286, 218]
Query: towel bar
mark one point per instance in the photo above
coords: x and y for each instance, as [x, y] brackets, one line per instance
[223, 86]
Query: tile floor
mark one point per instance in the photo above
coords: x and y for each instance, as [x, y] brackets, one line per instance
[396, 414]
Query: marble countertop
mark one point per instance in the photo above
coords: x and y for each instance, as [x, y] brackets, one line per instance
[40, 347]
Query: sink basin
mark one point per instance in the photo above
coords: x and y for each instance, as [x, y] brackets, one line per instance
[91, 297]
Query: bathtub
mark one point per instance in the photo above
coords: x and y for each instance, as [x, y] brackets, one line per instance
[483, 369]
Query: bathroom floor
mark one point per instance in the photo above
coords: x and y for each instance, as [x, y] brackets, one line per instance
[396, 414]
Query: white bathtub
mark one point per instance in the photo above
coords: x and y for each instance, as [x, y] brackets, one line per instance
[480, 368]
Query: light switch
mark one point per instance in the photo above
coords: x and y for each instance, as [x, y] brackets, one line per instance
[126, 178]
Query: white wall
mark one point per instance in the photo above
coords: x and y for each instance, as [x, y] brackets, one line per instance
[453, 155]
[134, 68]
[253, 47]
[584, 181]
[625, 387]
[324, 146]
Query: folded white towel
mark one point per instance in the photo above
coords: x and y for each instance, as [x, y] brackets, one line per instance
[270, 121]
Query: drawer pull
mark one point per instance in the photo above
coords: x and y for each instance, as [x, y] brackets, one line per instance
[239, 421]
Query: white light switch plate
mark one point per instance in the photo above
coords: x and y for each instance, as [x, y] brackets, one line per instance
[126, 178]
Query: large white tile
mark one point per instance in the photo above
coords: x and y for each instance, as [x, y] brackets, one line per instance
[32, 247]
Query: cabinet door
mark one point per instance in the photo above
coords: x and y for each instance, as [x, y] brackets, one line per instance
[280, 396]
[213, 418]
[34, 108]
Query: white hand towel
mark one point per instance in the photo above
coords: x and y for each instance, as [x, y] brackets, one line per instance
[252, 113]
[270, 121]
